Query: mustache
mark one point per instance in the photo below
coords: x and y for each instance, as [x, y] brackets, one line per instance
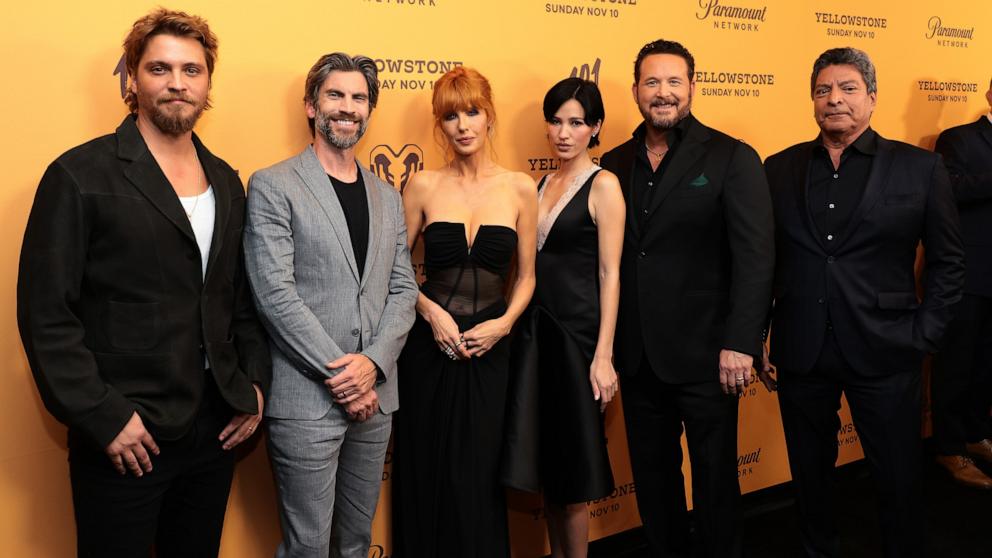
[660, 102]
[172, 98]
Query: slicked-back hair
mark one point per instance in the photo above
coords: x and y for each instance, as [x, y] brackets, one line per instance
[166, 22]
[851, 57]
[586, 93]
[662, 46]
[340, 62]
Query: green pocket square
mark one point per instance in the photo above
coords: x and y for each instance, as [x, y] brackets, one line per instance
[700, 180]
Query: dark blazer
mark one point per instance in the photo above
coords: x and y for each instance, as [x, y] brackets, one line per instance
[967, 152]
[696, 271]
[865, 277]
[112, 307]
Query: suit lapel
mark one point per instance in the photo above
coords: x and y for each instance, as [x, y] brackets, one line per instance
[689, 151]
[625, 167]
[148, 178]
[986, 127]
[222, 201]
[877, 181]
[374, 197]
[320, 187]
[800, 177]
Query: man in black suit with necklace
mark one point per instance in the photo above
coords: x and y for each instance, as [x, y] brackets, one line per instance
[850, 209]
[695, 278]
[135, 311]
[961, 384]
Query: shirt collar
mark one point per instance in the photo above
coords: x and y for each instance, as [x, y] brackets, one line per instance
[867, 143]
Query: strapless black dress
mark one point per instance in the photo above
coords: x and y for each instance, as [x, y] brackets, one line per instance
[448, 433]
[555, 441]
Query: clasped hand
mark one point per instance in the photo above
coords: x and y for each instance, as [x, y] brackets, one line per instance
[352, 386]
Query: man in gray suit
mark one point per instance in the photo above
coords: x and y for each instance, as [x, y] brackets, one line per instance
[326, 253]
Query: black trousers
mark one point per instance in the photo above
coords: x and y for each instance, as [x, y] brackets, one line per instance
[886, 412]
[961, 384]
[178, 507]
[654, 413]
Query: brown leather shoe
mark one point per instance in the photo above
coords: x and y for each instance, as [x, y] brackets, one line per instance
[963, 471]
[982, 450]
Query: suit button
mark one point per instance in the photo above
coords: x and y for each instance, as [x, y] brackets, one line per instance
[819, 301]
[355, 332]
[830, 259]
[641, 255]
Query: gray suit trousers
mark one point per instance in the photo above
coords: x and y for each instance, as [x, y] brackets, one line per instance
[328, 472]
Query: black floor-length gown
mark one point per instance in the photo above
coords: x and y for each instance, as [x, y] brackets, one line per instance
[555, 439]
[447, 498]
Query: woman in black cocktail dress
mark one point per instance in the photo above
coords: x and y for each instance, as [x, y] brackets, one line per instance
[566, 337]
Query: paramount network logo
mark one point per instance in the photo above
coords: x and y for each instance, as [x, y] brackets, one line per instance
[949, 36]
[731, 18]
[747, 461]
[396, 167]
[587, 72]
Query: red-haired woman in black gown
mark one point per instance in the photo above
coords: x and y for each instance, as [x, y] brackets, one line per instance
[474, 217]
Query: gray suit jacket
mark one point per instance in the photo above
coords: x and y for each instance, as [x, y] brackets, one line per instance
[306, 284]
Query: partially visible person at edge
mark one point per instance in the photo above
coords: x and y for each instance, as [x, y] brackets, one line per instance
[474, 217]
[695, 280]
[325, 249]
[135, 313]
[563, 355]
[961, 383]
[851, 207]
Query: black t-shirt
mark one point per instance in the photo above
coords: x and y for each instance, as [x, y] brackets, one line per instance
[355, 204]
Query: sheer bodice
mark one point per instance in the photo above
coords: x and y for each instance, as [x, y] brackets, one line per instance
[466, 279]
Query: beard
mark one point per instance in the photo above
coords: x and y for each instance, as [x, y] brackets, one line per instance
[324, 126]
[174, 122]
[666, 122]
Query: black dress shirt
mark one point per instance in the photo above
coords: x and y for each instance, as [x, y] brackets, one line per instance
[834, 193]
[355, 204]
[646, 179]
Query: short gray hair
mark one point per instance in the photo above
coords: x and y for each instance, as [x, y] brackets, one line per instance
[340, 62]
[850, 56]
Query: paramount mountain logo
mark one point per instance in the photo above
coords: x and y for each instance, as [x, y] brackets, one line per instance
[958, 37]
[731, 18]
[396, 167]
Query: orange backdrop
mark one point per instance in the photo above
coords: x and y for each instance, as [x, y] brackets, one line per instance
[753, 60]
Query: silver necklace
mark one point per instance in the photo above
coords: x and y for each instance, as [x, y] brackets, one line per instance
[196, 200]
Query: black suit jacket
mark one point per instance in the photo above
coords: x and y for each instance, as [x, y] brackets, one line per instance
[112, 307]
[863, 281]
[967, 152]
[696, 271]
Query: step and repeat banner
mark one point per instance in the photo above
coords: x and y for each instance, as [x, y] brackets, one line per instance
[753, 61]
